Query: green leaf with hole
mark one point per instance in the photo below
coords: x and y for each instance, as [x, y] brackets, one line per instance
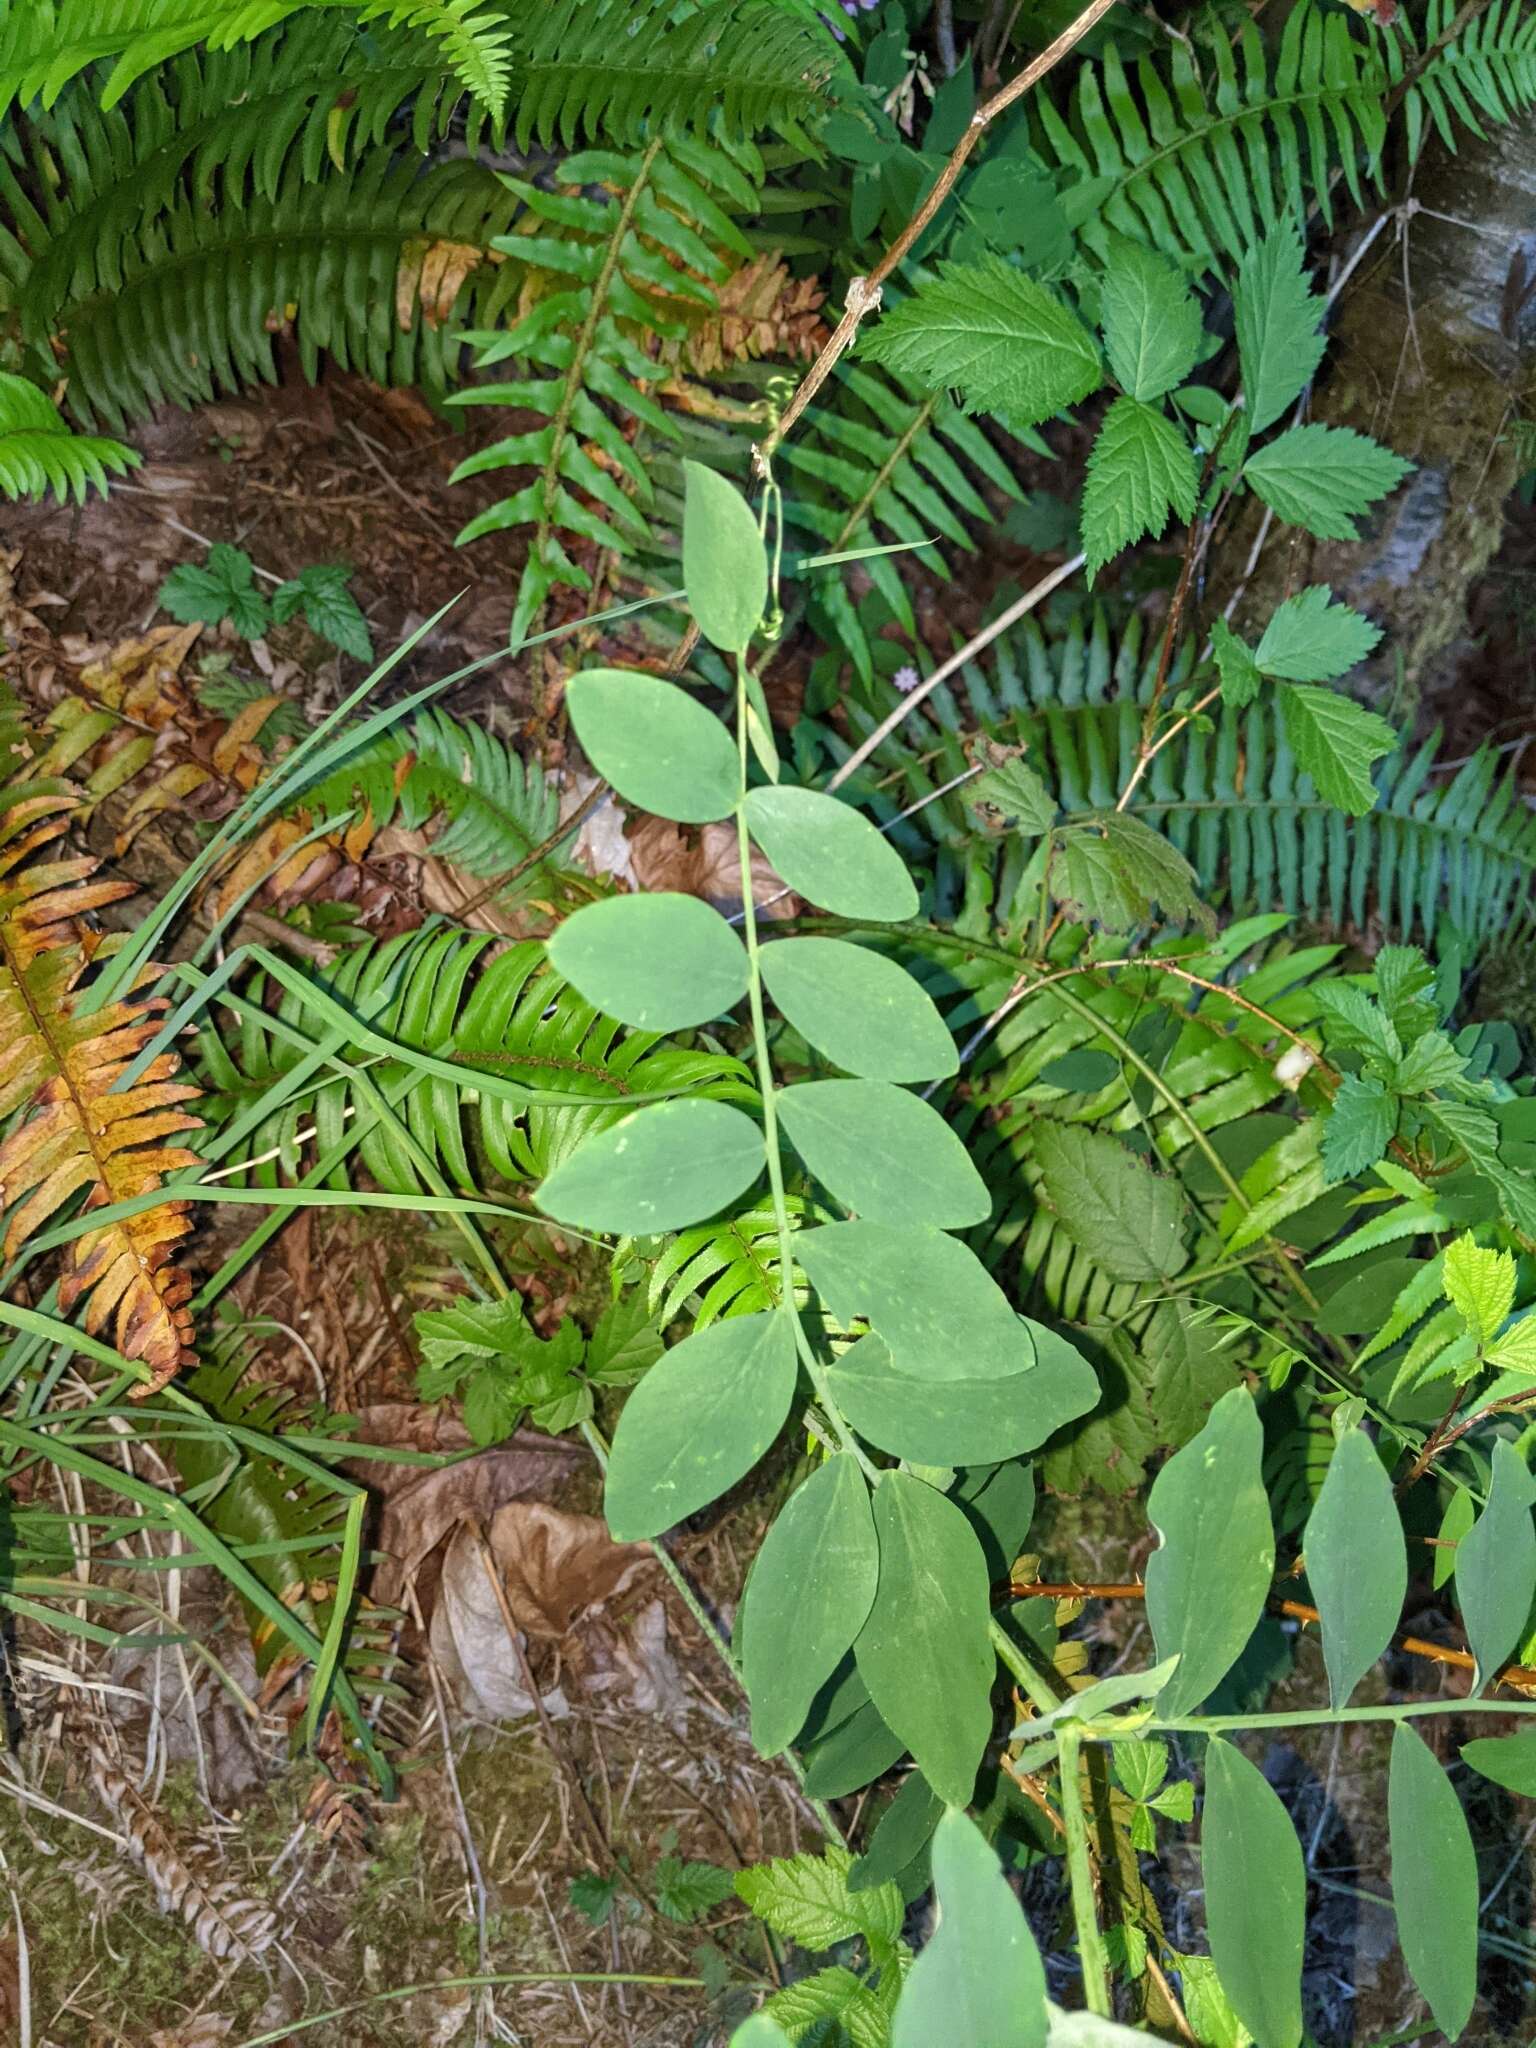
[1496, 1564]
[884, 1153]
[1434, 1880]
[1507, 1760]
[1357, 1563]
[1208, 1580]
[661, 751]
[813, 1583]
[725, 565]
[925, 1652]
[1255, 1896]
[863, 1011]
[831, 854]
[942, 1314]
[979, 1981]
[961, 1422]
[657, 1169]
[701, 1418]
[660, 963]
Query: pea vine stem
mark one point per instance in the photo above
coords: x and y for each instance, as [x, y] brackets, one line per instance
[1090, 1939]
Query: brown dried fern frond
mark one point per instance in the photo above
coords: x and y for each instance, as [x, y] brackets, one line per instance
[59, 1066]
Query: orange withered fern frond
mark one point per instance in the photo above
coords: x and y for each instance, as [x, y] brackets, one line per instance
[77, 1133]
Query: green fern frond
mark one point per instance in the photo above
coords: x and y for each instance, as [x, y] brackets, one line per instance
[38, 452]
[473, 38]
[1488, 69]
[617, 271]
[509, 1015]
[721, 1269]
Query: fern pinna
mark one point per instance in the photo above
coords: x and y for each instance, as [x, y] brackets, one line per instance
[79, 1133]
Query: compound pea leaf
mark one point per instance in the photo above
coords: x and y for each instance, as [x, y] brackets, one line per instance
[657, 1169]
[1324, 478]
[1507, 1760]
[1357, 1563]
[1278, 319]
[1496, 1564]
[1239, 674]
[938, 1309]
[701, 1418]
[1480, 1283]
[1130, 1220]
[813, 1584]
[1000, 339]
[925, 1652]
[660, 963]
[1255, 1896]
[863, 1011]
[831, 854]
[1359, 1126]
[961, 1422]
[1434, 1880]
[1210, 1576]
[979, 1980]
[1335, 741]
[1311, 639]
[1141, 469]
[659, 749]
[725, 565]
[1151, 322]
[883, 1153]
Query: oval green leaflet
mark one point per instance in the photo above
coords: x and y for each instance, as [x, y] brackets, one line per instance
[813, 1583]
[725, 565]
[940, 1312]
[925, 1652]
[1208, 1580]
[703, 1415]
[979, 1981]
[961, 1422]
[863, 1011]
[1357, 1563]
[831, 854]
[1434, 1880]
[884, 1153]
[657, 1169]
[661, 751]
[660, 963]
[1255, 1896]
[903, 1832]
[1507, 1760]
[759, 2031]
[1496, 1564]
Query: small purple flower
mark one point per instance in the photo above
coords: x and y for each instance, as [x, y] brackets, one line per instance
[906, 678]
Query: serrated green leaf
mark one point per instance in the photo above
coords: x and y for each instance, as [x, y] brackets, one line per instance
[863, 1011]
[961, 1421]
[1311, 639]
[657, 1169]
[1277, 318]
[329, 608]
[925, 1652]
[1335, 741]
[1141, 470]
[725, 565]
[624, 1341]
[661, 751]
[1210, 1576]
[1130, 1220]
[1359, 1126]
[1255, 1896]
[996, 336]
[978, 1979]
[1011, 794]
[806, 1899]
[1141, 1766]
[927, 1295]
[1480, 1283]
[812, 1588]
[1515, 1351]
[1113, 870]
[1496, 1564]
[1434, 1880]
[690, 1891]
[1239, 673]
[883, 1153]
[700, 1419]
[1357, 1563]
[1324, 478]
[659, 962]
[1151, 322]
[831, 854]
[832, 2004]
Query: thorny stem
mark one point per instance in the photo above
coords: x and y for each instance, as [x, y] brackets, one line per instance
[1090, 1939]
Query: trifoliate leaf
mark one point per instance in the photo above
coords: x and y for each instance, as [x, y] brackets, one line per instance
[1335, 741]
[224, 588]
[330, 610]
[1324, 478]
[1141, 470]
[1311, 639]
[1239, 673]
[1481, 1284]
[1111, 870]
[688, 1891]
[997, 337]
[1277, 316]
[1151, 322]
[1359, 1127]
